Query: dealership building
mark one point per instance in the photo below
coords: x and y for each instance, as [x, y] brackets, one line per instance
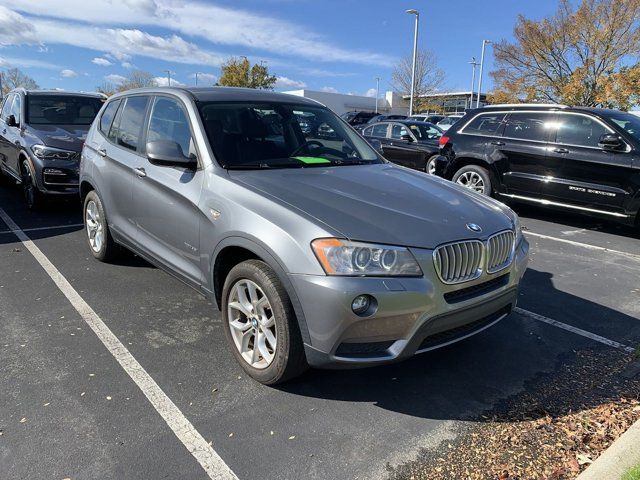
[392, 102]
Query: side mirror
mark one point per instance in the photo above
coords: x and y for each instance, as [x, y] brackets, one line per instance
[168, 153]
[376, 144]
[611, 141]
[11, 121]
[407, 138]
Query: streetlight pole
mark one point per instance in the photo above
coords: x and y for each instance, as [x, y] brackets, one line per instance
[377, 92]
[197, 78]
[474, 64]
[168, 77]
[415, 54]
[484, 44]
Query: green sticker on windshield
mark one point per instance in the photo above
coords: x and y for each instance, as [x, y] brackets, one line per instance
[312, 160]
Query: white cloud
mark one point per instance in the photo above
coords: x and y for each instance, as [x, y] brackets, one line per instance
[103, 62]
[115, 79]
[204, 78]
[329, 90]
[371, 93]
[284, 82]
[126, 65]
[164, 82]
[66, 73]
[231, 26]
[9, 62]
[15, 29]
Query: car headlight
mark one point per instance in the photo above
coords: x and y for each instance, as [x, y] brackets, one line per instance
[50, 153]
[517, 226]
[343, 257]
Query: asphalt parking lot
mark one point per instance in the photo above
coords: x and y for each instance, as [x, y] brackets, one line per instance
[68, 409]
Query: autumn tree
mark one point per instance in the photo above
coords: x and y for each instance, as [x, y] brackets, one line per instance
[581, 55]
[14, 78]
[238, 72]
[429, 78]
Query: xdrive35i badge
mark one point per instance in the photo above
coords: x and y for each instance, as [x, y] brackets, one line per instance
[474, 227]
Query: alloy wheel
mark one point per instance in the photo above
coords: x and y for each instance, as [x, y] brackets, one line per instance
[95, 226]
[252, 323]
[431, 167]
[471, 180]
[27, 186]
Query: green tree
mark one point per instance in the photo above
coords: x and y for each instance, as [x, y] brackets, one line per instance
[238, 72]
[581, 55]
[14, 78]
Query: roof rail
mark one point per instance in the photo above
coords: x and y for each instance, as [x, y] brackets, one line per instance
[556, 105]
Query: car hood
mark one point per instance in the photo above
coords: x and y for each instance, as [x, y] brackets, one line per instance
[382, 203]
[67, 137]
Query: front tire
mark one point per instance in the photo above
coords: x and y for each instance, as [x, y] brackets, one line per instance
[32, 196]
[260, 324]
[101, 243]
[474, 177]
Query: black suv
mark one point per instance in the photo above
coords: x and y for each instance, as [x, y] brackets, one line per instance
[41, 137]
[577, 158]
[355, 118]
[408, 143]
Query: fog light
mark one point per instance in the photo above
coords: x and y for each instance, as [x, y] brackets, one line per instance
[361, 304]
[53, 171]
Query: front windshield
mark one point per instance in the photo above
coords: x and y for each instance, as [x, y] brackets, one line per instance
[425, 131]
[628, 122]
[277, 135]
[62, 109]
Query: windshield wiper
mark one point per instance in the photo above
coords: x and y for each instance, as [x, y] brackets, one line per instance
[262, 166]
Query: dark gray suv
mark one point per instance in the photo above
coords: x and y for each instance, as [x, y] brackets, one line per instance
[41, 136]
[318, 251]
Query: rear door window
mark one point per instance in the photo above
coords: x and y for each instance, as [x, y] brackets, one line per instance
[529, 126]
[579, 130]
[132, 118]
[485, 124]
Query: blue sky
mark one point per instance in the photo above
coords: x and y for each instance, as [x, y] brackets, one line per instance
[339, 45]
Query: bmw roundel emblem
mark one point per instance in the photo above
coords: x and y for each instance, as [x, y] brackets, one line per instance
[474, 227]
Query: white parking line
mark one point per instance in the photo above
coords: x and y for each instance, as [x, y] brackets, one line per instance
[584, 245]
[569, 328]
[37, 229]
[204, 453]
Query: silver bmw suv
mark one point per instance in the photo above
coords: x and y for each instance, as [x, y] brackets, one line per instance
[317, 250]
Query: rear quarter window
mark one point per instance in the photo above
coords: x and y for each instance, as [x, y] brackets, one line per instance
[107, 116]
[485, 124]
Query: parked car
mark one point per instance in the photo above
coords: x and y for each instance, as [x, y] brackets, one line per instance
[574, 158]
[41, 136]
[408, 143]
[355, 118]
[426, 118]
[447, 122]
[318, 252]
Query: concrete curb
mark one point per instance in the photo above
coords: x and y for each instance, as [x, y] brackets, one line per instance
[623, 454]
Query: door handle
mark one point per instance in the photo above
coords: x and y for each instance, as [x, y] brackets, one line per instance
[497, 143]
[4, 131]
[560, 150]
[102, 152]
[140, 172]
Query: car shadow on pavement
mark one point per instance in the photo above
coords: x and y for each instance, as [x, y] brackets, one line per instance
[519, 356]
[576, 220]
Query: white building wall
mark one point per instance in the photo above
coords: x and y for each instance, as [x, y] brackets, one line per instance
[341, 103]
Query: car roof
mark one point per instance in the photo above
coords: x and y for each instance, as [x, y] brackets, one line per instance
[59, 93]
[546, 107]
[226, 94]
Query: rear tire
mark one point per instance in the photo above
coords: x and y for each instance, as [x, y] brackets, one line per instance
[32, 196]
[430, 166]
[475, 178]
[260, 324]
[101, 243]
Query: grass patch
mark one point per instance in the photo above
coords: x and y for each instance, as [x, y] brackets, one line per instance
[633, 474]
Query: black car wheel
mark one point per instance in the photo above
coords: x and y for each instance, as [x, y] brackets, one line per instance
[430, 166]
[474, 177]
[32, 196]
[260, 324]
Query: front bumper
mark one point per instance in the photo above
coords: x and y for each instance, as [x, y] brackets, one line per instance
[57, 177]
[414, 314]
